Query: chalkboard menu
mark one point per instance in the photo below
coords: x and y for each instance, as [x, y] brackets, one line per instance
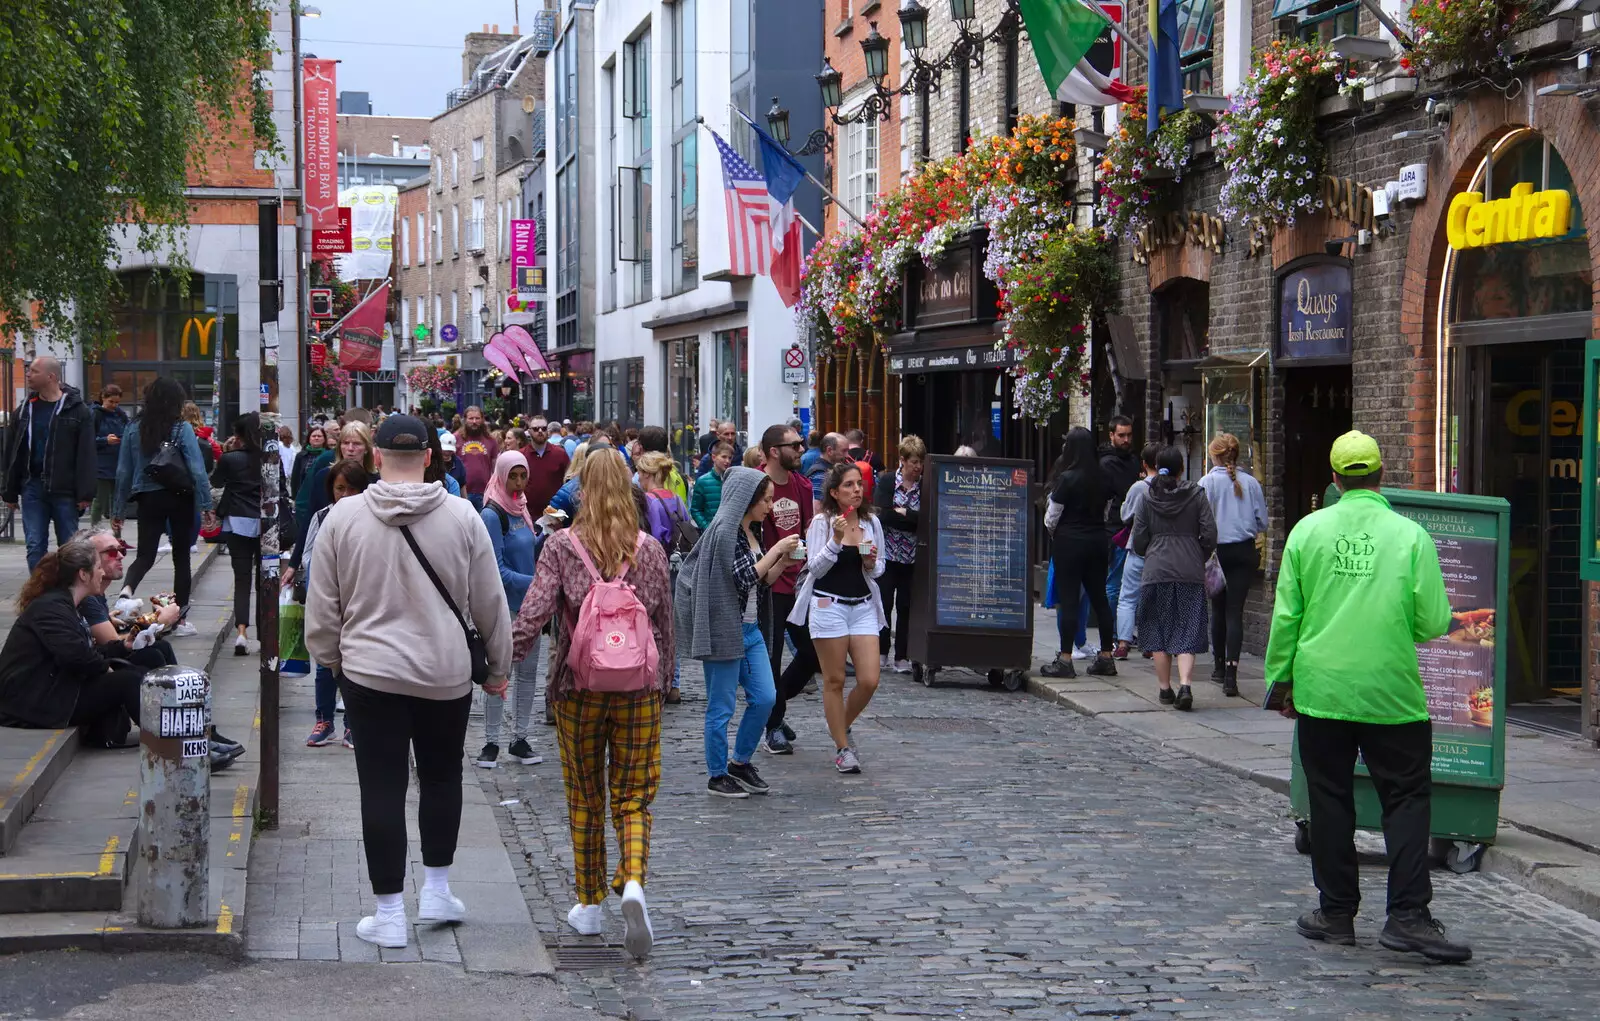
[981, 576]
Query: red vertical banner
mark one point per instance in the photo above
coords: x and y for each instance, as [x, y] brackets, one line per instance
[320, 111]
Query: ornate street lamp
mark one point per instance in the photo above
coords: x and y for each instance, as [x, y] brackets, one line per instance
[875, 51]
[914, 26]
[778, 123]
[830, 82]
[963, 10]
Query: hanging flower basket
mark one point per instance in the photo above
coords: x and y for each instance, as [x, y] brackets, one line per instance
[1455, 37]
[436, 381]
[1139, 171]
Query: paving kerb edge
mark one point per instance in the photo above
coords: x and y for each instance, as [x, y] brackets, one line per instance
[1546, 880]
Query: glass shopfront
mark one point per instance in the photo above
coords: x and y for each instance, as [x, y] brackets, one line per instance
[1519, 316]
[682, 365]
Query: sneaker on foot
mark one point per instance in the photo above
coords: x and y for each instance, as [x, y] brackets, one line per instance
[1084, 652]
[788, 731]
[724, 787]
[745, 775]
[1327, 928]
[227, 742]
[884, 661]
[637, 935]
[810, 688]
[521, 751]
[165, 547]
[184, 630]
[776, 743]
[846, 761]
[1419, 932]
[321, 734]
[902, 666]
[1121, 651]
[1185, 698]
[488, 758]
[384, 930]
[587, 919]
[1103, 666]
[241, 647]
[349, 741]
[439, 906]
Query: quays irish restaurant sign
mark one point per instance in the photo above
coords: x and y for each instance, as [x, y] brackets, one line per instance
[1314, 313]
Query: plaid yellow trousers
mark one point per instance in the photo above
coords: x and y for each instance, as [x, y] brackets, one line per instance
[589, 725]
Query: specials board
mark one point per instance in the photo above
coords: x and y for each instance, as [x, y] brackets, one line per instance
[980, 571]
[1464, 670]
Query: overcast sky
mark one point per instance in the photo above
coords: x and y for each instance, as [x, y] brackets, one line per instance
[406, 53]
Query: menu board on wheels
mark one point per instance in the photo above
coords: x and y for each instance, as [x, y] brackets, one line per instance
[973, 579]
[1463, 671]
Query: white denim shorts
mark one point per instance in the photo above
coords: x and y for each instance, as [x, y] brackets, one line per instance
[833, 619]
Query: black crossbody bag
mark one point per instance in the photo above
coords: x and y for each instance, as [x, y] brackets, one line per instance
[477, 651]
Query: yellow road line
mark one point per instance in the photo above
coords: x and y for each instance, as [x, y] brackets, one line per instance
[29, 766]
[108, 857]
[241, 801]
[49, 875]
[224, 919]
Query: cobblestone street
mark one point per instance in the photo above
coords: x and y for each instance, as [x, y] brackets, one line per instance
[1002, 857]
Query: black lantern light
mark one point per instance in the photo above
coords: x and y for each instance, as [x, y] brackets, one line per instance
[483, 315]
[830, 82]
[778, 123]
[914, 26]
[963, 10]
[875, 50]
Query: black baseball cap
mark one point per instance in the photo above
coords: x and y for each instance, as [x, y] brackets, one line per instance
[402, 432]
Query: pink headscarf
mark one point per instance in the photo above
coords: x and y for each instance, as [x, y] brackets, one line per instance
[495, 492]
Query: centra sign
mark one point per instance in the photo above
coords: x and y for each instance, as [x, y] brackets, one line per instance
[1522, 216]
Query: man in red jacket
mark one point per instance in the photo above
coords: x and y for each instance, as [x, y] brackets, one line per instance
[547, 465]
[477, 451]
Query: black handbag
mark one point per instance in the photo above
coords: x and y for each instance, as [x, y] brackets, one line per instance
[168, 469]
[477, 650]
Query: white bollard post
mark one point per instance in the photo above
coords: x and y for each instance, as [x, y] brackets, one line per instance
[174, 838]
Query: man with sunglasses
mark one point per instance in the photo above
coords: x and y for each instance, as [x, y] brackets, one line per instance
[547, 465]
[792, 510]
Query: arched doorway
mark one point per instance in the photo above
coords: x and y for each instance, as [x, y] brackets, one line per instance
[1514, 316]
[1180, 311]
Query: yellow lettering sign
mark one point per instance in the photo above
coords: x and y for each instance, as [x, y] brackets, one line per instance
[1562, 420]
[204, 328]
[1523, 215]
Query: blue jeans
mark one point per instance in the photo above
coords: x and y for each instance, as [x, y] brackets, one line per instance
[1128, 599]
[327, 695]
[723, 678]
[39, 512]
[1114, 562]
[524, 683]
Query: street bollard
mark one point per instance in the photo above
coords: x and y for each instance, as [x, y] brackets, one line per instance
[174, 838]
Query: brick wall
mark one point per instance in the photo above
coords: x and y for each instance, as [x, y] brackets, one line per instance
[846, 26]
[364, 135]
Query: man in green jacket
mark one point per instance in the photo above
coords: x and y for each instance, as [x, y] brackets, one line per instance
[1358, 589]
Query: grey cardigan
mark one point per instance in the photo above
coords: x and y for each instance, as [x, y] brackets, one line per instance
[1175, 533]
[706, 606]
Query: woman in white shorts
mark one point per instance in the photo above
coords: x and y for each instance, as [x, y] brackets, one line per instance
[840, 598]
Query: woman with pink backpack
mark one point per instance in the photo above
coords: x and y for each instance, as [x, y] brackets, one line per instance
[611, 670]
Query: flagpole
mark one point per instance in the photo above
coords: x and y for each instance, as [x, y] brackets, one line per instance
[1115, 26]
[809, 176]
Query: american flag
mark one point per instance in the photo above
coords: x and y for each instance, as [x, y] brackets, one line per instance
[749, 213]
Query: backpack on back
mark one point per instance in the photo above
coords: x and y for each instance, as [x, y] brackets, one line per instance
[684, 533]
[613, 647]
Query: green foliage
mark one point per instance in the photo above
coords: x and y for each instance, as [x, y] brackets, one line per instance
[105, 108]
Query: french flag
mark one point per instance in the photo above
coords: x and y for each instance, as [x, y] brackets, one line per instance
[783, 174]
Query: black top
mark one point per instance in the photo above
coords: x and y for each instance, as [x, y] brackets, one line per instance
[46, 660]
[66, 444]
[1082, 494]
[845, 578]
[238, 475]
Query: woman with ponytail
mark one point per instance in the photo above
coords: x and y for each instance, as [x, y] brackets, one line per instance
[1240, 510]
[51, 674]
[1174, 532]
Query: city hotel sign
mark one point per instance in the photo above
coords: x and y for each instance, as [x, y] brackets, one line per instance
[1314, 312]
[1522, 216]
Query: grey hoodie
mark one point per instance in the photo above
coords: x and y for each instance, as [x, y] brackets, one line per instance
[371, 611]
[1174, 531]
[707, 617]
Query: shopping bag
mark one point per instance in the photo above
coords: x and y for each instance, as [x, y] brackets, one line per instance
[1215, 581]
[295, 660]
[1050, 587]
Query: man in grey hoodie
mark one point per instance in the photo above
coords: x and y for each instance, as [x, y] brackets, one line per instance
[376, 616]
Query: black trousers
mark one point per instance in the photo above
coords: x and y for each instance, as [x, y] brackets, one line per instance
[896, 590]
[101, 696]
[244, 554]
[385, 726]
[156, 654]
[161, 510]
[1238, 562]
[1083, 563]
[791, 681]
[1400, 759]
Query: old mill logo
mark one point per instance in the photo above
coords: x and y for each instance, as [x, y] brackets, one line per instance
[201, 326]
[1525, 214]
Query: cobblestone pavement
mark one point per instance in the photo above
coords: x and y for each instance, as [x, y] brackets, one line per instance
[1001, 857]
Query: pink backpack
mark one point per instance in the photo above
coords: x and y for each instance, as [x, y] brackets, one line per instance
[613, 647]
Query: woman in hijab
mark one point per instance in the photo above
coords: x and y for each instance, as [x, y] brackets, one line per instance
[716, 608]
[516, 549]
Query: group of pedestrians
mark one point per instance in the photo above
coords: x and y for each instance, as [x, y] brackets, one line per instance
[1149, 556]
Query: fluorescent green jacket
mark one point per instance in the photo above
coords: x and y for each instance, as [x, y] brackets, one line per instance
[1359, 588]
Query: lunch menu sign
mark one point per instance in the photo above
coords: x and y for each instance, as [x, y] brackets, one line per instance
[1463, 670]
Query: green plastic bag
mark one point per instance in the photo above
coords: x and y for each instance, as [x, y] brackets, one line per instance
[295, 660]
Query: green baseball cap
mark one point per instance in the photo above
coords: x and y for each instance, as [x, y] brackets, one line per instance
[1355, 453]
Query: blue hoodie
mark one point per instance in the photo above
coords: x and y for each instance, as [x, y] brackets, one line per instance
[108, 423]
[516, 552]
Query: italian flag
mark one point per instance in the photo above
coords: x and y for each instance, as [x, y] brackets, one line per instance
[1062, 32]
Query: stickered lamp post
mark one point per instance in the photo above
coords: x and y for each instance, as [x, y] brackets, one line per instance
[267, 617]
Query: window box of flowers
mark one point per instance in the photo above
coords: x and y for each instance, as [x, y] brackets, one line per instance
[1469, 37]
[1139, 171]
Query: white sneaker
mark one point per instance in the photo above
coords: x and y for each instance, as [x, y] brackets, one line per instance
[587, 919]
[166, 547]
[902, 666]
[195, 548]
[440, 906]
[184, 630]
[390, 931]
[1084, 652]
[637, 936]
[883, 661]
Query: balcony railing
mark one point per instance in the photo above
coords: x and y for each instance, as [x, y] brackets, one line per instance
[536, 142]
[544, 32]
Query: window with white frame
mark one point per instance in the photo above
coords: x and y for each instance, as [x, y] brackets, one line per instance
[455, 230]
[422, 313]
[860, 168]
[438, 237]
[475, 226]
[455, 168]
[422, 241]
[477, 316]
[405, 242]
[405, 322]
[438, 314]
[438, 173]
[477, 157]
[455, 308]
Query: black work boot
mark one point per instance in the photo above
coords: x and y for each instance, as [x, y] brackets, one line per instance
[1218, 671]
[1058, 667]
[1230, 681]
[1419, 932]
[1103, 666]
[1327, 928]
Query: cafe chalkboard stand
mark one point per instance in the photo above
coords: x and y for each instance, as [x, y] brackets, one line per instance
[972, 586]
[1464, 675]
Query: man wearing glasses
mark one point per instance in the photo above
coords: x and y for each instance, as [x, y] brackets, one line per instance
[792, 509]
[547, 465]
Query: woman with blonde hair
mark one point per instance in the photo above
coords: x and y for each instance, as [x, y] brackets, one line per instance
[355, 444]
[605, 737]
[1240, 510]
[566, 498]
